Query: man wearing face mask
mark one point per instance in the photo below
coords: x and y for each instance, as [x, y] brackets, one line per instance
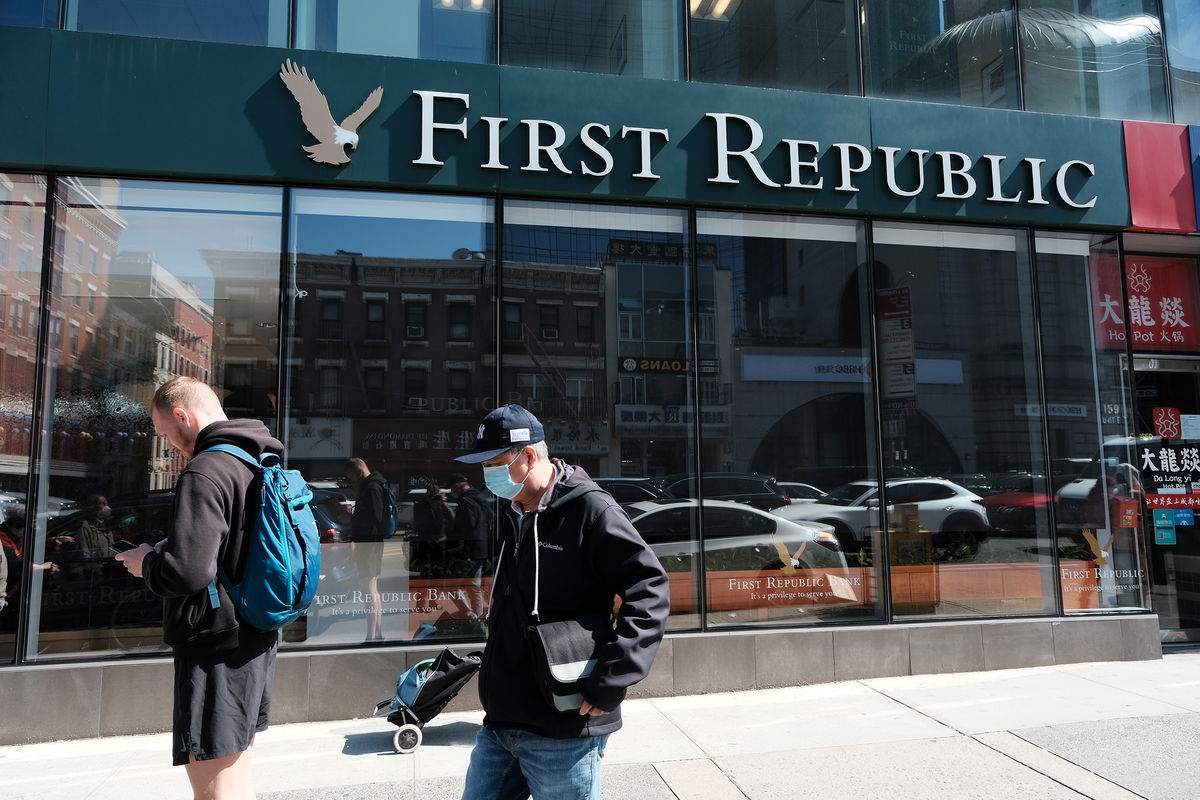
[587, 553]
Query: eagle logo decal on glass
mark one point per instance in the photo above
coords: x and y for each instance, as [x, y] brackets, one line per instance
[331, 137]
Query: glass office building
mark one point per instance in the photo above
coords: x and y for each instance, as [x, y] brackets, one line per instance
[881, 319]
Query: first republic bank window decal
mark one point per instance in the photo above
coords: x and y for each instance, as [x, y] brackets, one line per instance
[945, 174]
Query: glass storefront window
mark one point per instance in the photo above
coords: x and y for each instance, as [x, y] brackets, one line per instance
[446, 30]
[29, 13]
[787, 415]
[637, 38]
[944, 51]
[776, 43]
[22, 229]
[260, 22]
[961, 429]
[1095, 488]
[380, 279]
[1181, 19]
[1093, 58]
[627, 269]
[151, 280]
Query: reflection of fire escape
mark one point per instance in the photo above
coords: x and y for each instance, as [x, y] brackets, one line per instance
[543, 361]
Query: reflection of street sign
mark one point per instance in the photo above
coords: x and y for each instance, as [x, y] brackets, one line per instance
[897, 346]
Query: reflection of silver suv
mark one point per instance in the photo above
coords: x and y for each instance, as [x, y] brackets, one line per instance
[853, 509]
[736, 536]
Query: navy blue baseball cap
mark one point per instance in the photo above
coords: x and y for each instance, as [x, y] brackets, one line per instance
[501, 430]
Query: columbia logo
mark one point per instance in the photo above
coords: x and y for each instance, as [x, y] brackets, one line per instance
[557, 547]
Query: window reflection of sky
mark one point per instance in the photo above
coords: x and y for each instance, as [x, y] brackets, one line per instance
[382, 225]
[176, 223]
[386, 238]
[1182, 18]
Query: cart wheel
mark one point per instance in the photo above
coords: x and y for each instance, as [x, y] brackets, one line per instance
[407, 738]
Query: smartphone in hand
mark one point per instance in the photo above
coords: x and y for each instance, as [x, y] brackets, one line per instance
[121, 545]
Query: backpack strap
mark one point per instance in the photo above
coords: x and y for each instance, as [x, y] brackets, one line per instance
[265, 460]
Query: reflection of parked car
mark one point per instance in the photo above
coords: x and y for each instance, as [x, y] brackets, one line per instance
[759, 491]
[828, 476]
[1016, 511]
[1001, 482]
[1115, 463]
[11, 505]
[801, 492]
[632, 490]
[736, 536]
[332, 515]
[59, 506]
[853, 509]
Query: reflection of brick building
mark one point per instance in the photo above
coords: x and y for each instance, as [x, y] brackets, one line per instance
[245, 307]
[22, 219]
[170, 333]
[404, 348]
[401, 347]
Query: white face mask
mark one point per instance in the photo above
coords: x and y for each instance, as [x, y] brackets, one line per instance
[500, 483]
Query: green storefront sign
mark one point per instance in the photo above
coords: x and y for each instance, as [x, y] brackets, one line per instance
[127, 105]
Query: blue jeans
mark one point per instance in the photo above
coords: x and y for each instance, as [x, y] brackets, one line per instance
[509, 765]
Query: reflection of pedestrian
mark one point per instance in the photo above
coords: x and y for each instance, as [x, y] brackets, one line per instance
[367, 531]
[566, 548]
[3, 581]
[433, 520]
[224, 668]
[94, 534]
[470, 540]
[12, 538]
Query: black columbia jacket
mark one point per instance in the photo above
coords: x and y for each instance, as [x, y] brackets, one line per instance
[589, 552]
[208, 524]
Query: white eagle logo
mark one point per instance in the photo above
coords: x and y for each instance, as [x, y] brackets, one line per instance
[314, 110]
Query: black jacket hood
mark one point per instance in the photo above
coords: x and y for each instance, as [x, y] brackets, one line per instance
[249, 434]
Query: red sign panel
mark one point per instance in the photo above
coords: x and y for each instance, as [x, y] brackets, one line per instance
[1163, 308]
[1157, 163]
[1167, 423]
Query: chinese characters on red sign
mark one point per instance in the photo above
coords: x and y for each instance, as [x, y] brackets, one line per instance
[1163, 303]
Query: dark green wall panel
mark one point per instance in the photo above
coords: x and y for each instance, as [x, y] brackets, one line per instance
[23, 85]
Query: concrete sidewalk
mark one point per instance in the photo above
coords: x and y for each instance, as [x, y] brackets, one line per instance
[1109, 731]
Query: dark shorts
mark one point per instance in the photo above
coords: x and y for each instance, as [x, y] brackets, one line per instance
[222, 699]
[368, 559]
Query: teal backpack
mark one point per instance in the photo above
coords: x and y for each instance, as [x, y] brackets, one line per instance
[282, 562]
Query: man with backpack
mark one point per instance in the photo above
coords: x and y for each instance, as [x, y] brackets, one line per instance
[372, 522]
[224, 669]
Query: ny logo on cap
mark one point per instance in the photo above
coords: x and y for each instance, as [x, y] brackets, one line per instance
[480, 434]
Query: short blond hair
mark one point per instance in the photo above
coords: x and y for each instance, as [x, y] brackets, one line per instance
[185, 392]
